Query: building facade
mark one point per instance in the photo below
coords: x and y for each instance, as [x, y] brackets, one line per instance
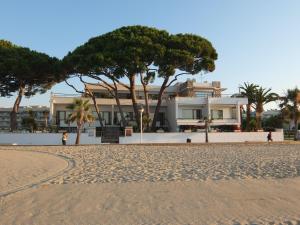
[185, 107]
[40, 114]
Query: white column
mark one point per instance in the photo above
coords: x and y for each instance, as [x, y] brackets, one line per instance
[238, 114]
[208, 109]
[51, 108]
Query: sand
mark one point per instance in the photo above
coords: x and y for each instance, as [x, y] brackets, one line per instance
[20, 168]
[187, 184]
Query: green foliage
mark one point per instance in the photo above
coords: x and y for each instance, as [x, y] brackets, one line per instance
[253, 124]
[19, 66]
[132, 50]
[262, 97]
[290, 104]
[257, 98]
[29, 122]
[273, 122]
[80, 112]
[123, 52]
[290, 107]
[249, 90]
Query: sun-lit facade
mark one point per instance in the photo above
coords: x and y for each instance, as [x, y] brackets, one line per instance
[185, 106]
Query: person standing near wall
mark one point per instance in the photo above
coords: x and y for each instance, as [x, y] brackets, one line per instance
[269, 137]
[64, 138]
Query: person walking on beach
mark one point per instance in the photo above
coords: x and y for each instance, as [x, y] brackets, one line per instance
[64, 138]
[269, 137]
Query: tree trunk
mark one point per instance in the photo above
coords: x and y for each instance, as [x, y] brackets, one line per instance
[157, 108]
[133, 98]
[258, 120]
[248, 117]
[78, 134]
[46, 122]
[241, 116]
[147, 112]
[15, 110]
[95, 105]
[124, 122]
[97, 110]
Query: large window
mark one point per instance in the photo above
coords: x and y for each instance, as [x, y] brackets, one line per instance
[102, 95]
[153, 96]
[216, 114]
[195, 114]
[106, 116]
[203, 94]
[161, 119]
[124, 95]
[233, 113]
[127, 115]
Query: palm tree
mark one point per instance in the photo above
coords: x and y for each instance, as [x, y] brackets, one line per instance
[248, 90]
[290, 107]
[29, 122]
[80, 114]
[262, 97]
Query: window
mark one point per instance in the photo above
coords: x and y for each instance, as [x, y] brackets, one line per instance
[192, 114]
[203, 94]
[102, 95]
[216, 114]
[106, 116]
[117, 117]
[124, 96]
[161, 118]
[233, 113]
[153, 96]
[197, 114]
[62, 115]
[187, 114]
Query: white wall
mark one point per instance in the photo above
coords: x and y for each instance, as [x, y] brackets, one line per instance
[244, 137]
[55, 138]
[163, 138]
[45, 138]
[200, 137]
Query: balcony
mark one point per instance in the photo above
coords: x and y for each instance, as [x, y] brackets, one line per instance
[68, 99]
[224, 121]
[190, 122]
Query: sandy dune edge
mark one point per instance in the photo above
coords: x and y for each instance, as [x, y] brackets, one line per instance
[211, 202]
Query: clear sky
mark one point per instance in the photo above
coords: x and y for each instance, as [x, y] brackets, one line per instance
[256, 40]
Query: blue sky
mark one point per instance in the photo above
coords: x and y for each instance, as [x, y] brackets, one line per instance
[257, 41]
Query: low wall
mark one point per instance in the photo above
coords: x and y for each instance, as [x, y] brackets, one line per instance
[163, 138]
[200, 137]
[45, 138]
[55, 138]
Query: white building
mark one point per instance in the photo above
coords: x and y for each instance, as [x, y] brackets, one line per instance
[185, 106]
[41, 116]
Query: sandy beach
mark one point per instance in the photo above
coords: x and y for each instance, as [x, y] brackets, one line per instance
[159, 184]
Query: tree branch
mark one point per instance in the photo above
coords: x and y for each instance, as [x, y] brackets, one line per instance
[99, 84]
[73, 87]
[171, 82]
[117, 80]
